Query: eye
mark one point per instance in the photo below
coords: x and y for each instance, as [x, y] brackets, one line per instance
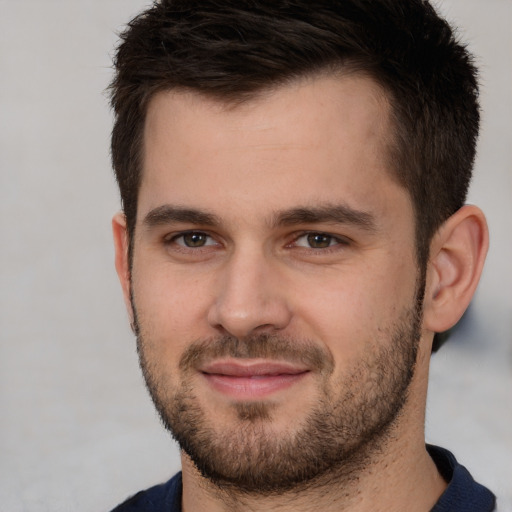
[318, 241]
[193, 239]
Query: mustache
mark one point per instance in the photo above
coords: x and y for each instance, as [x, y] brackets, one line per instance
[264, 346]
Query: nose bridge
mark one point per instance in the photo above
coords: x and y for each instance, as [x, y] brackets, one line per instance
[249, 295]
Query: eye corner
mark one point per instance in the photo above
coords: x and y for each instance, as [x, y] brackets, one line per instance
[319, 241]
[190, 240]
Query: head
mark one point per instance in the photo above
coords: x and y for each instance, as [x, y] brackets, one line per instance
[222, 50]
[285, 169]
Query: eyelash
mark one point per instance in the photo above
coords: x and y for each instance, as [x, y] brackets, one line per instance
[333, 241]
[173, 240]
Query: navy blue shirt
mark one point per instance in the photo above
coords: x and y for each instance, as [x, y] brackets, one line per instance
[463, 494]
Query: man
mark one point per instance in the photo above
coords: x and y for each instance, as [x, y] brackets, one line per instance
[293, 176]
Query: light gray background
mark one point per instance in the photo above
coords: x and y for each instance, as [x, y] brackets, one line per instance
[77, 431]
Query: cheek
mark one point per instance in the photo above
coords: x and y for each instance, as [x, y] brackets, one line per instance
[171, 309]
[350, 310]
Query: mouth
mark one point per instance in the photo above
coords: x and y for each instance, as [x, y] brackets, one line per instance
[252, 379]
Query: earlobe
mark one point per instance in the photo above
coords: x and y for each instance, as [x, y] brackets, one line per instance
[121, 245]
[457, 255]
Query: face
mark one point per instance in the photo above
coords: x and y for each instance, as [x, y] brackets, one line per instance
[274, 281]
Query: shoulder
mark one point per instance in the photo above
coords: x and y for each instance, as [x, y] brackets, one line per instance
[462, 493]
[163, 497]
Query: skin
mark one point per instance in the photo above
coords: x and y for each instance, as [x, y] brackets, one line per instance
[312, 144]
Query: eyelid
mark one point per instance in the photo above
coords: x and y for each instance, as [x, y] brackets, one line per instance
[340, 240]
[172, 238]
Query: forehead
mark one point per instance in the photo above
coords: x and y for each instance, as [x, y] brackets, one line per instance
[323, 139]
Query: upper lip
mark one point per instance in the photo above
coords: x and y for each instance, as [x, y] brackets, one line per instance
[248, 368]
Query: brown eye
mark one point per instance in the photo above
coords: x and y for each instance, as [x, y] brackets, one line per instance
[193, 239]
[319, 240]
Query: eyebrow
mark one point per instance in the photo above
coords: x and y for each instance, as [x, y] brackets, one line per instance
[338, 214]
[168, 214]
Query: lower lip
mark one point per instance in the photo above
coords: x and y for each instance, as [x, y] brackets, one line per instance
[246, 388]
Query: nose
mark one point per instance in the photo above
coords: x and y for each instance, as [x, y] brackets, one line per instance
[250, 297]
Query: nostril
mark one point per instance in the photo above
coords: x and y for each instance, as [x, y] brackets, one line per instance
[262, 317]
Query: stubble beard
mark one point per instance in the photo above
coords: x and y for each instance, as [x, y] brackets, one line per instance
[350, 421]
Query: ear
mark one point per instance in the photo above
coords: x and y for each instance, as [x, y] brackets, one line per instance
[121, 244]
[457, 255]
